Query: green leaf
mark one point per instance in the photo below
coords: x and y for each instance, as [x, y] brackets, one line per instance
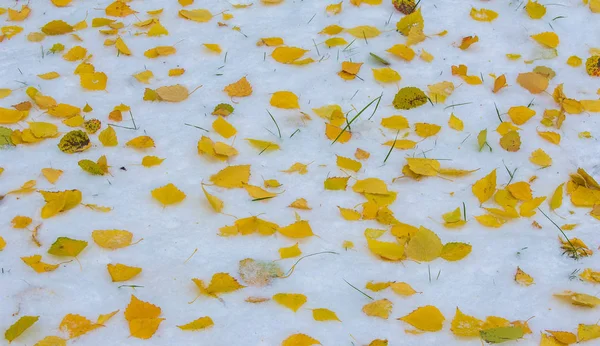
[20, 327]
[91, 167]
[5, 137]
[409, 98]
[64, 246]
[223, 109]
[74, 142]
[379, 59]
[501, 334]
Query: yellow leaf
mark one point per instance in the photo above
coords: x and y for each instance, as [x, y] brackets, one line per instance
[371, 185]
[60, 201]
[173, 93]
[298, 229]
[108, 137]
[377, 286]
[402, 51]
[292, 301]
[174, 72]
[142, 318]
[349, 214]
[332, 132]
[424, 246]
[49, 75]
[387, 250]
[587, 332]
[485, 187]
[258, 193]
[465, 43]
[428, 167]
[112, 239]
[120, 272]
[540, 158]
[322, 314]
[547, 39]
[550, 136]
[396, 122]
[57, 27]
[19, 327]
[557, 197]
[455, 123]
[426, 130]
[490, 220]
[528, 208]
[99, 208]
[290, 251]
[64, 246]
[299, 339]
[122, 47]
[287, 55]
[198, 15]
[297, 167]
[336, 183]
[213, 47]
[440, 91]
[535, 10]
[520, 114]
[51, 340]
[35, 262]
[408, 22]
[270, 41]
[403, 289]
[214, 201]
[77, 325]
[534, 82]
[20, 222]
[157, 29]
[348, 163]
[168, 194]
[331, 30]
[93, 81]
[223, 127]
[426, 56]
[300, 203]
[465, 325]
[364, 31]
[6, 92]
[240, 88]
[232, 176]
[263, 146]
[426, 318]
[523, 278]
[580, 299]
[334, 8]
[334, 42]
[198, 324]
[52, 175]
[455, 251]
[520, 190]
[483, 15]
[141, 142]
[284, 99]
[386, 75]
[379, 308]
[18, 16]
[11, 116]
[499, 83]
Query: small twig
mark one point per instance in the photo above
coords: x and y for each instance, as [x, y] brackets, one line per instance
[353, 119]
[392, 148]
[198, 127]
[458, 104]
[376, 106]
[498, 113]
[292, 135]
[289, 273]
[275, 121]
[311, 18]
[363, 293]
[317, 48]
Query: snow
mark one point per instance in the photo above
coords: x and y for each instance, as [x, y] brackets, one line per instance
[481, 284]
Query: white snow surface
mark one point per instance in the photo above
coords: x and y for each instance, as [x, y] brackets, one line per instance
[481, 284]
